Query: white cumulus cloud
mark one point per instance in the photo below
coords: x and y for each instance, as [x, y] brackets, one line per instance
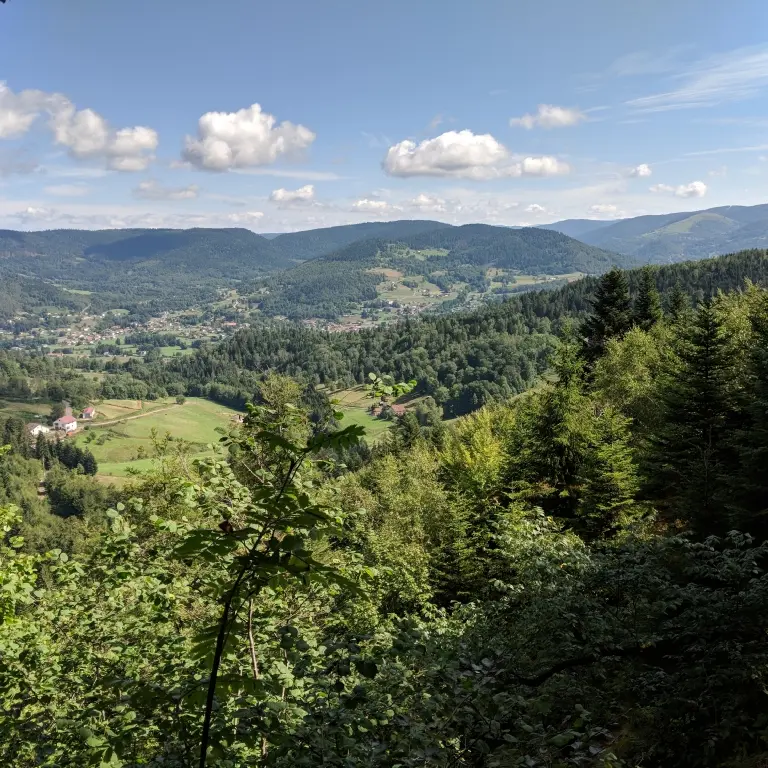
[542, 166]
[604, 209]
[247, 217]
[371, 206]
[305, 194]
[84, 133]
[549, 116]
[429, 203]
[463, 154]
[694, 189]
[34, 213]
[18, 111]
[154, 190]
[87, 135]
[641, 171]
[535, 208]
[243, 139]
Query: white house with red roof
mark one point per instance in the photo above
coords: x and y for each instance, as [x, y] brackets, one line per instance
[88, 413]
[66, 423]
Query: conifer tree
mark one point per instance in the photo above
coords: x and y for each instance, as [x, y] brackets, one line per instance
[750, 484]
[648, 310]
[611, 316]
[610, 477]
[679, 304]
[88, 460]
[690, 453]
[554, 436]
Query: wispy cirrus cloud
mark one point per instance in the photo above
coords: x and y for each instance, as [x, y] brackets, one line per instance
[288, 173]
[728, 150]
[727, 77]
[640, 63]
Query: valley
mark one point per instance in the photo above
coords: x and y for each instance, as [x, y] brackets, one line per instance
[383, 385]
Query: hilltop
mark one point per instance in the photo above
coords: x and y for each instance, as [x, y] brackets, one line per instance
[157, 270]
[674, 237]
[449, 265]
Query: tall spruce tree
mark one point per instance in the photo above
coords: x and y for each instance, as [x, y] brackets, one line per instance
[750, 484]
[679, 304]
[648, 310]
[554, 436]
[611, 314]
[609, 476]
[690, 454]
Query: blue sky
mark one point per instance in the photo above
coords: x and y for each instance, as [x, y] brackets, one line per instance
[288, 115]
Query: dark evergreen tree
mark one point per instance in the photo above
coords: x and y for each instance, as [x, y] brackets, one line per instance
[679, 303]
[43, 450]
[611, 314]
[750, 484]
[690, 457]
[550, 458]
[648, 310]
[88, 462]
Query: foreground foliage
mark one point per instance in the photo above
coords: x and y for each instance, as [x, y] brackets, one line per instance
[572, 577]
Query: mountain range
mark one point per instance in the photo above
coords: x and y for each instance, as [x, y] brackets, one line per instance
[674, 237]
[176, 268]
[169, 268]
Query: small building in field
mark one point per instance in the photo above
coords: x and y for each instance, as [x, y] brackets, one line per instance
[35, 428]
[65, 424]
[88, 413]
[398, 410]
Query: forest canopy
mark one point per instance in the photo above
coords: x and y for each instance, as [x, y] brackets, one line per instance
[573, 577]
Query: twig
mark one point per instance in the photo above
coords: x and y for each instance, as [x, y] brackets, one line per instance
[254, 662]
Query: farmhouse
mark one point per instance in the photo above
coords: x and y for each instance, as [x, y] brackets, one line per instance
[65, 424]
[35, 428]
[88, 413]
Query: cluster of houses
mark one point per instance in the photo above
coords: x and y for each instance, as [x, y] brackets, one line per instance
[66, 423]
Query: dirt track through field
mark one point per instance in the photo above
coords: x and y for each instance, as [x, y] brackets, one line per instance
[137, 416]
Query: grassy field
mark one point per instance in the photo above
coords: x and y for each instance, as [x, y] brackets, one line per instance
[118, 409]
[354, 403]
[26, 411]
[123, 446]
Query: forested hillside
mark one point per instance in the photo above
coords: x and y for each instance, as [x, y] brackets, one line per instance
[153, 271]
[319, 242]
[20, 296]
[677, 236]
[576, 577]
[339, 282]
[127, 267]
[462, 360]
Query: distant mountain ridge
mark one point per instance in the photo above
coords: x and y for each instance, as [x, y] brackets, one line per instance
[338, 283]
[667, 238]
[172, 268]
[311, 243]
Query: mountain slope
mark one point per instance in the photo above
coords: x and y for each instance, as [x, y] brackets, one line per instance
[499, 348]
[527, 249]
[462, 260]
[138, 266]
[20, 296]
[319, 242]
[678, 236]
[577, 227]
